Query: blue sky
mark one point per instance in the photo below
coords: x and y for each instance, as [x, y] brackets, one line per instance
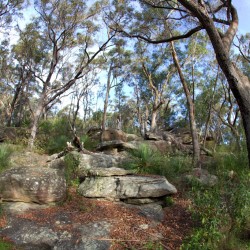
[243, 8]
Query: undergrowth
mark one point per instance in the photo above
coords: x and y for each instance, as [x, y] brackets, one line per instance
[5, 152]
[223, 210]
[5, 245]
[145, 160]
[71, 165]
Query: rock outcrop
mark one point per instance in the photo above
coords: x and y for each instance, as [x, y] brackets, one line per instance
[113, 135]
[125, 187]
[101, 177]
[39, 185]
[97, 160]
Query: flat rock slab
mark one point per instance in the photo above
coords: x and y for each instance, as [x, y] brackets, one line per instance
[123, 187]
[30, 235]
[96, 160]
[40, 185]
[113, 171]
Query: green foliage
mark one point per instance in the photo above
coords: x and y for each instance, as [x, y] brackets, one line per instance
[168, 201]
[5, 245]
[57, 144]
[5, 153]
[53, 135]
[89, 143]
[151, 245]
[71, 162]
[223, 210]
[146, 160]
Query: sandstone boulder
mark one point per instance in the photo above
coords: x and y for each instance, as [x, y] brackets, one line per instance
[39, 185]
[153, 136]
[133, 137]
[81, 173]
[118, 144]
[97, 160]
[123, 187]
[113, 135]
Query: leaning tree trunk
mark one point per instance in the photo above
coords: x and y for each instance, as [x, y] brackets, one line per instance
[193, 127]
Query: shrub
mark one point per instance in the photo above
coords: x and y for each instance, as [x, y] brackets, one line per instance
[57, 144]
[144, 159]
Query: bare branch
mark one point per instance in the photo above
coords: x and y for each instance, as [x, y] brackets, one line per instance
[174, 38]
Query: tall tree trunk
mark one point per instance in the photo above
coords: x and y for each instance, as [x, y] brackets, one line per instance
[156, 108]
[211, 103]
[13, 103]
[145, 123]
[153, 125]
[193, 128]
[104, 118]
[37, 114]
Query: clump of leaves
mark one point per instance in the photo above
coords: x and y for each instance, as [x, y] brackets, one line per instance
[168, 201]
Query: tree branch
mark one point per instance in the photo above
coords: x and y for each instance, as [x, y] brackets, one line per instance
[174, 38]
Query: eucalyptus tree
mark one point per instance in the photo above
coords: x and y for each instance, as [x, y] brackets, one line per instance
[9, 9]
[152, 71]
[227, 111]
[66, 46]
[218, 18]
[80, 93]
[116, 61]
[191, 109]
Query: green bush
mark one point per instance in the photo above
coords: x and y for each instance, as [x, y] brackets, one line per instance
[5, 152]
[144, 159]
